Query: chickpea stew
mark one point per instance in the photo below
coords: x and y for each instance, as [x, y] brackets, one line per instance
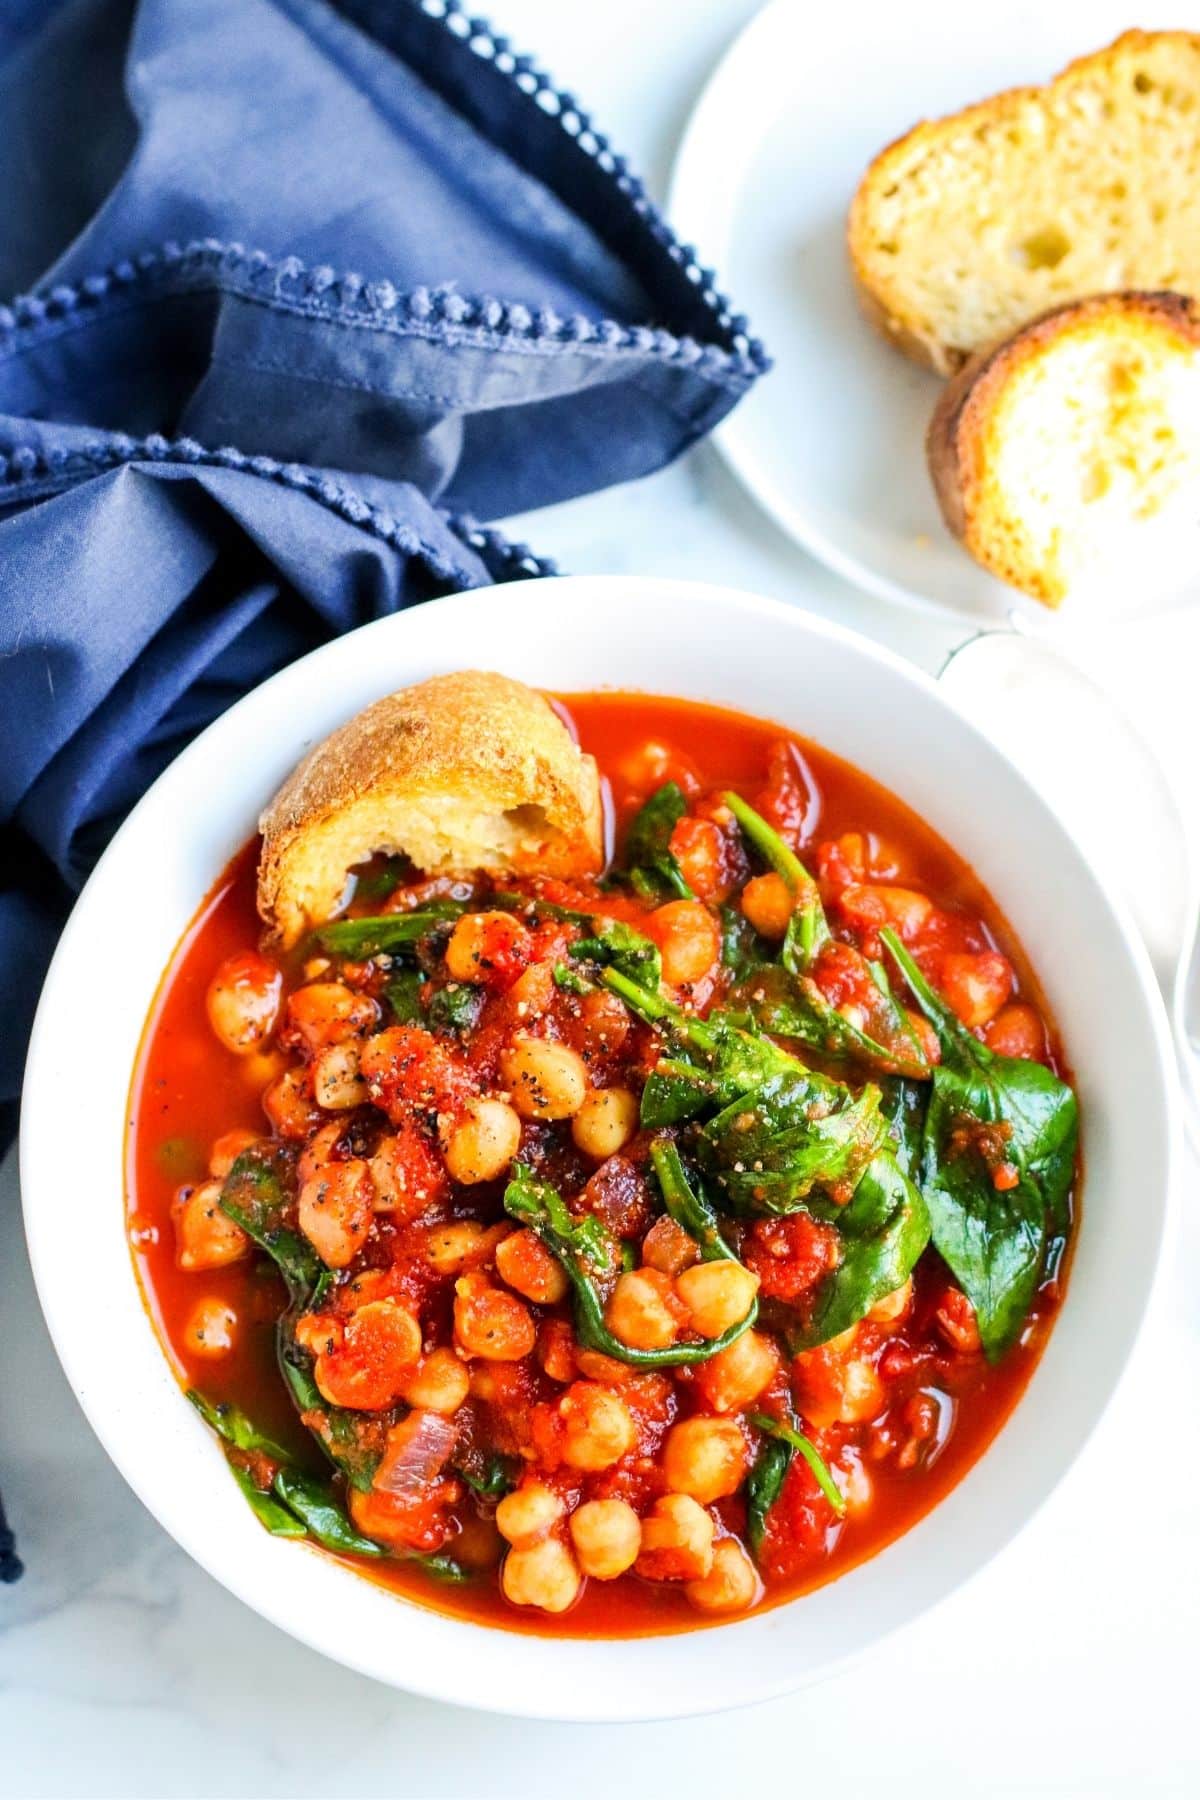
[608, 1257]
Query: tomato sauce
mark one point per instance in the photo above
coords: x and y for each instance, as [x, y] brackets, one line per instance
[188, 1090]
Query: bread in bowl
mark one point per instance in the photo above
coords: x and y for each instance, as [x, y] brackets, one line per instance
[463, 772]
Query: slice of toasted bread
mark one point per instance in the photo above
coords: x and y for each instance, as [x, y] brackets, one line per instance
[462, 773]
[1052, 453]
[971, 226]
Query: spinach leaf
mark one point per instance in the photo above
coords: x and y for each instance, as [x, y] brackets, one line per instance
[779, 1130]
[742, 949]
[585, 1249]
[770, 1149]
[613, 944]
[324, 1520]
[985, 1110]
[278, 1519]
[230, 1422]
[784, 1433]
[793, 1131]
[685, 1205]
[487, 1473]
[653, 869]
[440, 1566]
[389, 931]
[570, 980]
[255, 1197]
[377, 884]
[456, 1008]
[793, 1006]
[763, 1487]
[808, 928]
[403, 995]
[903, 1104]
[882, 1230]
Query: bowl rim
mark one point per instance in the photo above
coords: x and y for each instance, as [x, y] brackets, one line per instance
[38, 1144]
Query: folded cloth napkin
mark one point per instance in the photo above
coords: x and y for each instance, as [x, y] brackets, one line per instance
[305, 284]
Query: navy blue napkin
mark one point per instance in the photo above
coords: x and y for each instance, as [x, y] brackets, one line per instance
[306, 286]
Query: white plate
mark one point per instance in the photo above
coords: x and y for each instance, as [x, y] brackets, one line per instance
[832, 441]
[683, 638]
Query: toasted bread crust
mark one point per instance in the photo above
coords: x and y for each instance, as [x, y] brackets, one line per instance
[883, 292]
[960, 439]
[464, 772]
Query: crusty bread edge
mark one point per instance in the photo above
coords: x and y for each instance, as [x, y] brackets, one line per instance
[346, 766]
[874, 297]
[957, 432]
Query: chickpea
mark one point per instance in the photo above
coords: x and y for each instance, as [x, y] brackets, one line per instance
[871, 906]
[334, 1211]
[490, 1322]
[975, 986]
[857, 1487]
[768, 904]
[732, 1583]
[530, 1512]
[689, 939]
[738, 1374]
[226, 1150]
[439, 1383]
[548, 1081]
[1017, 1030]
[524, 1263]
[288, 1103]
[677, 1540]
[846, 1391]
[337, 1084]
[607, 1535]
[893, 1306]
[205, 1238]
[717, 1295]
[211, 1328]
[706, 1458]
[605, 1122]
[328, 1012]
[599, 1426]
[544, 1575]
[640, 1310]
[481, 1148]
[556, 1350]
[461, 1244]
[243, 1001]
[485, 944]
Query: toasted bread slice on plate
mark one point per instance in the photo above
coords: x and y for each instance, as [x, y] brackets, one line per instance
[462, 773]
[971, 226]
[1072, 450]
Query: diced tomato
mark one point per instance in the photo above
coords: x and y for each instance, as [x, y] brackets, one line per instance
[791, 799]
[408, 1172]
[955, 1319]
[791, 1255]
[380, 1347]
[699, 847]
[800, 1526]
[410, 1523]
[867, 909]
[406, 1068]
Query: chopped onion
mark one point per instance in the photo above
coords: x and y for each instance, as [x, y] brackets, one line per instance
[418, 1449]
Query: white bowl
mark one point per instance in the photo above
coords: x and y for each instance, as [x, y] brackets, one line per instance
[665, 637]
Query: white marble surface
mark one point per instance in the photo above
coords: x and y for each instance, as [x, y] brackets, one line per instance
[1068, 1668]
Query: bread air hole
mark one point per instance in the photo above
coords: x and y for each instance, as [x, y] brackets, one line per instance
[1042, 249]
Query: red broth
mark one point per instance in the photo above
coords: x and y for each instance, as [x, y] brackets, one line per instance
[188, 1090]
